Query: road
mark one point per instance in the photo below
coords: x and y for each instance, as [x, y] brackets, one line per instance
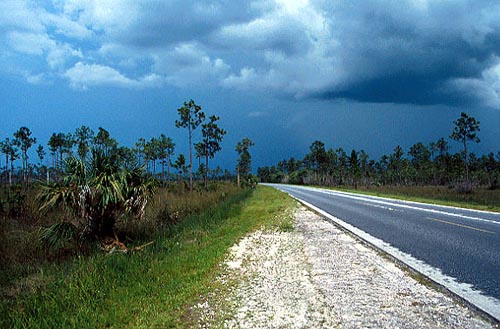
[463, 245]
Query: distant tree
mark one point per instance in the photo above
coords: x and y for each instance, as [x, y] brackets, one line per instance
[420, 160]
[342, 163]
[191, 116]
[199, 152]
[317, 157]
[465, 130]
[440, 147]
[140, 149]
[68, 143]
[84, 136]
[216, 173]
[364, 165]
[212, 138]
[153, 148]
[104, 142]
[166, 151]
[245, 159]
[9, 149]
[24, 140]
[40, 151]
[490, 167]
[60, 143]
[180, 165]
[53, 149]
[42, 169]
[354, 168]
[292, 165]
[396, 165]
[264, 174]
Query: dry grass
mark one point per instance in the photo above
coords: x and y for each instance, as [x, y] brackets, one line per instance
[22, 251]
[480, 198]
[154, 288]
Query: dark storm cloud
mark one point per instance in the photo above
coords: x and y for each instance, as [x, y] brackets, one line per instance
[167, 22]
[413, 51]
[405, 51]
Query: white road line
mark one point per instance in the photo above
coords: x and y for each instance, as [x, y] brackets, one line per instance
[391, 204]
[487, 304]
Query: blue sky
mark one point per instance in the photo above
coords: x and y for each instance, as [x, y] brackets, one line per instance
[365, 75]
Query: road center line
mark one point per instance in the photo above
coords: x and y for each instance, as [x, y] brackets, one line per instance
[460, 225]
[406, 206]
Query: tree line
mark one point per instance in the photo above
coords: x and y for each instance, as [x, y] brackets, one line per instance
[96, 181]
[157, 155]
[421, 164]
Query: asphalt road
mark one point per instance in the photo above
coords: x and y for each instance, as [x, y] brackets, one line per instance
[463, 244]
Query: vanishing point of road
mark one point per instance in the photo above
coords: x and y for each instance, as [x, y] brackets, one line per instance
[458, 248]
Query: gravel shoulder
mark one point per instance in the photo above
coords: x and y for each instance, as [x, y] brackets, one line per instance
[317, 276]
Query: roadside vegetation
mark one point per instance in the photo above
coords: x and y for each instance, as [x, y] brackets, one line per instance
[154, 287]
[480, 199]
[108, 235]
[422, 173]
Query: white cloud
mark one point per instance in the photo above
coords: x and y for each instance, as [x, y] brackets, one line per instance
[292, 44]
[57, 54]
[19, 14]
[36, 79]
[257, 114]
[83, 76]
[300, 48]
[188, 65]
[110, 16]
[29, 43]
[66, 26]
[247, 79]
[485, 89]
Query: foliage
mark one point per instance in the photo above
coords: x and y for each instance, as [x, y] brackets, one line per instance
[153, 288]
[212, 138]
[24, 141]
[191, 116]
[8, 148]
[421, 165]
[83, 138]
[98, 192]
[13, 202]
[465, 130]
[59, 235]
[245, 159]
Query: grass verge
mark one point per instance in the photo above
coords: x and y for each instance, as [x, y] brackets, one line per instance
[151, 288]
[479, 199]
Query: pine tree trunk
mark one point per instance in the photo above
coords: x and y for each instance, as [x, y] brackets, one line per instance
[163, 172]
[168, 170]
[7, 166]
[466, 162]
[190, 162]
[206, 169]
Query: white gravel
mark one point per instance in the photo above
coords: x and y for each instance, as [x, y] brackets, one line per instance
[317, 276]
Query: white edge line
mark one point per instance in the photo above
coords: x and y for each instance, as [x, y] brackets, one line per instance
[404, 204]
[392, 199]
[486, 304]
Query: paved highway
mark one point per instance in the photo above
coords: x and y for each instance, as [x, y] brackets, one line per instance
[462, 244]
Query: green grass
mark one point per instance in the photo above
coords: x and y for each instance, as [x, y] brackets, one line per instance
[480, 198]
[151, 288]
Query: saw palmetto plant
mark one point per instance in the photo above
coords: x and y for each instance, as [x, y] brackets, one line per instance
[97, 192]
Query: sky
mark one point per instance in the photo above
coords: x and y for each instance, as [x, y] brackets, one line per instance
[354, 74]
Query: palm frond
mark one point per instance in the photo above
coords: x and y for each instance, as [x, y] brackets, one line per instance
[59, 235]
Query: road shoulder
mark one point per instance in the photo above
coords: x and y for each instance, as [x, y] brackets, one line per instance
[318, 276]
